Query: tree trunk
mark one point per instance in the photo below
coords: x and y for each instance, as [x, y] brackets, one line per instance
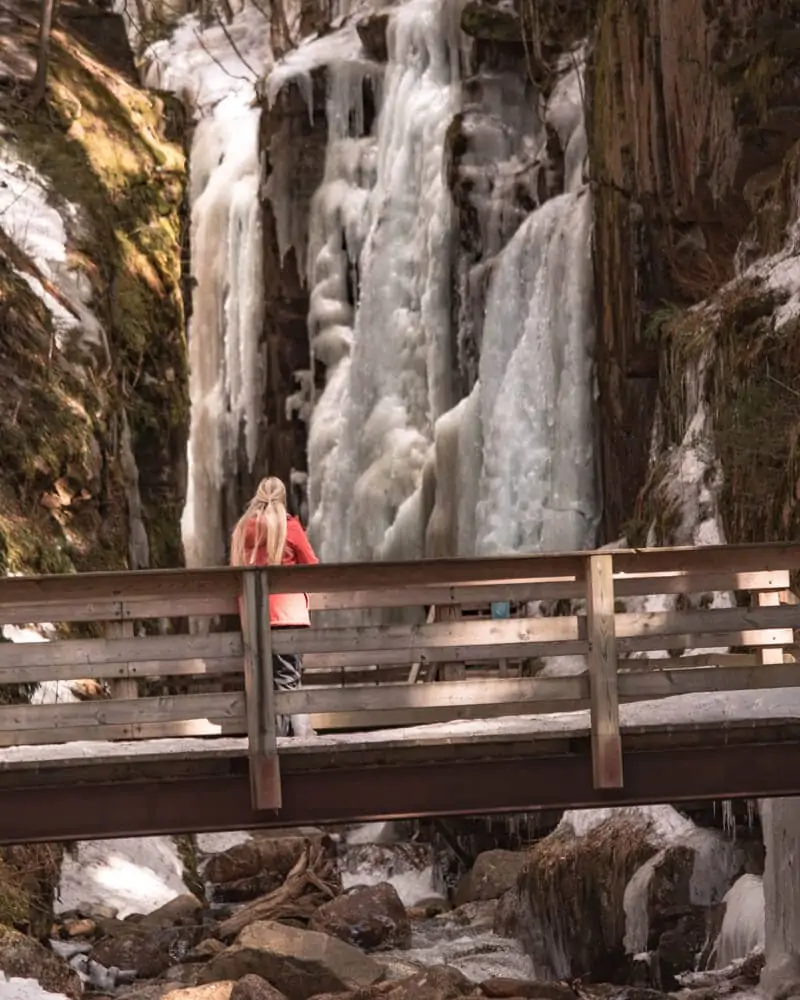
[45, 31]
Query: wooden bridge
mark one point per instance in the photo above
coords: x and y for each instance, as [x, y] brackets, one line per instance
[438, 687]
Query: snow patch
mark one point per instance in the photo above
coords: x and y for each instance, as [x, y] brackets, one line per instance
[14, 988]
[133, 875]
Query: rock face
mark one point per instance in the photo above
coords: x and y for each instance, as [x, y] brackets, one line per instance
[94, 421]
[21, 956]
[367, 916]
[493, 874]
[673, 195]
[299, 963]
[635, 882]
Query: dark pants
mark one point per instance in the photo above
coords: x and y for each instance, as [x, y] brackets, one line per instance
[286, 675]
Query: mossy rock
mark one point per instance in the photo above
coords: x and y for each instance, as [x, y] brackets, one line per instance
[99, 140]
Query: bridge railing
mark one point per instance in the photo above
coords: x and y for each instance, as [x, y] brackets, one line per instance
[606, 606]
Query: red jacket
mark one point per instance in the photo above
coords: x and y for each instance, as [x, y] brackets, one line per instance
[286, 609]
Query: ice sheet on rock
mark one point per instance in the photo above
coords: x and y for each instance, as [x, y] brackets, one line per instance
[134, 875]
[538, 483]
[743, 926]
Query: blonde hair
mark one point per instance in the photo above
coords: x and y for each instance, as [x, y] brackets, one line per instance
[267, 510]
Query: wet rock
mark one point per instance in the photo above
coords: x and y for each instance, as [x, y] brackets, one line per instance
[205, 950]
[493, 20]
[372, 32]
[478, 914]
[148, 951]
[300, 963]
[255, 988]
[367, 916]
[22, 956]
[493, 874]
[97, 911]
[502, 987]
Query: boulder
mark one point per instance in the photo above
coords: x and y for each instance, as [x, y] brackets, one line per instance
[210, 991]
[494, 873]
[367, 916]
[184, 909]
[439, 982]
[500, 987]
[148, 951]
[255, 988]
[300, 963]
[23, 957]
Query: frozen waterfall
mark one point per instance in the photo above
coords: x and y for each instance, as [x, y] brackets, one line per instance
[398, 466]
[214, 70]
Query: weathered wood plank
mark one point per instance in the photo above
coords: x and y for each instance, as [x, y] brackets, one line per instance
[105, 671]
[187, 729]
[265, 786]
[447, 694]
[602, 663]
[139, 711]
[78, 652]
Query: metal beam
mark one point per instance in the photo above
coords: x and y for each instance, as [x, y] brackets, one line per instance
[479, 786]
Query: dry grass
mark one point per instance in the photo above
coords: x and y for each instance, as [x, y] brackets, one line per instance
[29, 878]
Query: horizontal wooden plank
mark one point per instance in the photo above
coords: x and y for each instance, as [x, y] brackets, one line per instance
[446, 694]
[79, 653]
[668, 623]
[519, 694]
[140, 711]
[322, 721]
[114, 671]
[110, 609]
[189, 728]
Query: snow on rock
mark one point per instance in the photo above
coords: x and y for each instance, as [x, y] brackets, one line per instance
[38, 226]
[133, 875]
[25, 989]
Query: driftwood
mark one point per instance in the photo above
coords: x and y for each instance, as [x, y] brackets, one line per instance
[313, 880]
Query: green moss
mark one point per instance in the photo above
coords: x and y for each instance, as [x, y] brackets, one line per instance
[187, 851]
[100, 141]
[753, 386]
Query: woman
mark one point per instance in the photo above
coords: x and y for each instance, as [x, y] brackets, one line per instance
[266, 535]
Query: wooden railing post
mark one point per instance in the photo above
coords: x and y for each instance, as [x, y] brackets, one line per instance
[265, 776]
[601, 632]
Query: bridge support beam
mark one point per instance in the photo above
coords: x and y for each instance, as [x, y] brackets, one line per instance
[215, 801]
